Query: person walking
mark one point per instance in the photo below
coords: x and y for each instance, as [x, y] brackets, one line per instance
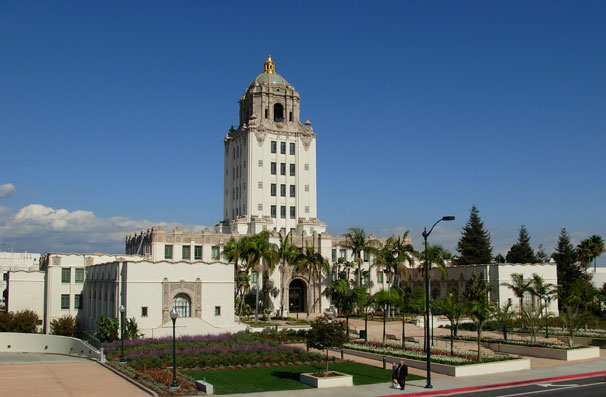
[395, 369]
[402, 374]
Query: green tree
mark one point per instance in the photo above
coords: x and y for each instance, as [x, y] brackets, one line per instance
[480, 312]
[131, 329]
[436, 255]
[533, 319]
[326, 334]
[572, 321]
[286, 252]
[474, 245]
[590, 249]
[357, 242]
[25, 321]
[451, 308]
[476, 288]
[503, 316]
[521, 252]
[545, 292]
[598, 249]
[261, 256]
[499, 258]
[344, 297]
[311, 264]
[568, 269]
[384, 299]
[519, 287]
[542, 256]
[107, 329]
[402, 301]
[65, 326]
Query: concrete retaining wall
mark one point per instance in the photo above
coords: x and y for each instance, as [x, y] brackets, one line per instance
[39, 343]
[544, 352]
[582, 340]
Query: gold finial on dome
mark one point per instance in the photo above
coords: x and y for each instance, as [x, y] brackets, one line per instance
[269, 65]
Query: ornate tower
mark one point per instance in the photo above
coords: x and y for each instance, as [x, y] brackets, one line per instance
[270, 162]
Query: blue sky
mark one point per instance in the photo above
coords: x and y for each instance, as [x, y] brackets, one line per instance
[116, 112]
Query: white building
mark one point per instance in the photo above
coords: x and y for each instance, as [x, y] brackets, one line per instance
[12, 261]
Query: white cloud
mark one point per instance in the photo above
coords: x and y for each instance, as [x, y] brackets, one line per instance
[35, 228]
[6, 190]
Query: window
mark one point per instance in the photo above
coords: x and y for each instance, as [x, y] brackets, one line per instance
[273, 146]
[273, 168]
[198, 252]
[186, 254]
[342, 254]
[292, 212]
[260, 207]
[278, 112]
[306, 166]
[366, 279]
[292, 190]
[292, 148]
[214, 253]
[380, 276]
[367, 256]
[143, 311]
[64, 301]
[282, 211]
[5, 276]
[260, 162]
[265, 113]
[217, 311]
[283, 231]
[168, 251]
[182, 304]
[292, 170]
[333, 276]
[307, 209]
[282, 190]
[282, 168]
[334, 255]
[273, 189]
[78, 304]
[253, 277]
[307, 188]
[79, 276]
[66, 275]
[273, 211]
[260, 185]
[282, 147]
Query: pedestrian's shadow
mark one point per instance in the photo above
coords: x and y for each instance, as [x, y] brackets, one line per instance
[286, 375]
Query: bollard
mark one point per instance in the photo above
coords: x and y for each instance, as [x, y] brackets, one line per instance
[341, 354]
[384, 362]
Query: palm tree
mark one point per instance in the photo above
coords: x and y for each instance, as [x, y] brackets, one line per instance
[313, 264]
[572, 321]
[519, 286]
[544, 291]
[233, 252]
[532, 318]
[285, 252]
[260, 256]
[385, 299]
[453, 310]
[436, 255]
[344, 297]
[357, 242]
[597, 248]
[503, 317]
[480, 311]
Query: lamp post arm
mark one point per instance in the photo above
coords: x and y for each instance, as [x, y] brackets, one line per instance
[427, 233]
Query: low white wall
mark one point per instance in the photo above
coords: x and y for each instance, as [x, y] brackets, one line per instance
[14, 342]
[544, 352]
[586, 341]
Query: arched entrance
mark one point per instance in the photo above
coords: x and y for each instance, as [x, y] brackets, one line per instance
[296, 296]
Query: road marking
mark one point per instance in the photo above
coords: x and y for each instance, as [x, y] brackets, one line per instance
[552, 385]
[547, 390]
[517, 394]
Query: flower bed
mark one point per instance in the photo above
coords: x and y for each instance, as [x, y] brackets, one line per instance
[518, 342]
[415, 352]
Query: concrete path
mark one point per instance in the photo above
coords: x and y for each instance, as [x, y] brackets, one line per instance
[50, 375]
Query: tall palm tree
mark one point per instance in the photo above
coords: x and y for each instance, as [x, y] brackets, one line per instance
[598, 248]
[310, 263]
[401, 300]
[357, 242]
[519, 287]
[232, 252]
[436, 255]
[260, 256]
[385, 299]
[285, 252]
[480, 312]
[544, 291]
[452, 309]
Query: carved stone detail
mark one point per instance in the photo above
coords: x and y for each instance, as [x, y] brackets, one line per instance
[192, 289]
[260, 134]
[306, 139]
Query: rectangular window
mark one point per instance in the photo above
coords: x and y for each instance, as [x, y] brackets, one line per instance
[292, 190]
[307, 188]
[307, 209]
[334, 255]
[282, 147]
[366, 256]
[292, 212]
[292, 170]
[273, 168]
[253, 277]
[198, 252]
[260, 162]
[260, 185]
[292, 148]
[290, 117]
[186, 252]
[282, 211]
[79, 275]
[343, 253]
[78, 302]
[217, 311]
[260, 207]
[366, 279]
[265, 113]
[273, 146]
[66, 275]
[214, 253]
[333, 276]
[168, 251]
[273, 189]
[273, 211]
[5, 276]
[306, 166]
[143, 311]
[282, 190]
[380, 276]
[282, 168]
[64, 301]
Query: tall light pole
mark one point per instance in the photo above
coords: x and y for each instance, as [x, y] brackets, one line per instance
[173, 316]
[122, 309]
[427, 345]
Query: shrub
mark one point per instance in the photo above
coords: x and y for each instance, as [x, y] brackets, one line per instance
[6, 321]
[107, 329]
[65, 326]
[23, 321]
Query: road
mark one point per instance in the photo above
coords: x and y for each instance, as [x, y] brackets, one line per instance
[586, 387]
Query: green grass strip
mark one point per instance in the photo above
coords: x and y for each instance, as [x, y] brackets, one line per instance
[252, 380]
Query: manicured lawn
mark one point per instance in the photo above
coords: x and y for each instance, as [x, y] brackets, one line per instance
[253, 380]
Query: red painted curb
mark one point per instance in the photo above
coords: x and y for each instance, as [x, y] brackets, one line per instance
[498, 385]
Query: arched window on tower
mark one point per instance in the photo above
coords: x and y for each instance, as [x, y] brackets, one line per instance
[182, 305]
[278, 112]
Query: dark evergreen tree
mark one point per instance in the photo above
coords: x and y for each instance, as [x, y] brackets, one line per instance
[542, 256]
[569, 269]
[499, 258]
[521, 252]
[474, 245]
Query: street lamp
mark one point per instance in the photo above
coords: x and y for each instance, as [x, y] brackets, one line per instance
[122, 359]
[427, 346]
[173, 316]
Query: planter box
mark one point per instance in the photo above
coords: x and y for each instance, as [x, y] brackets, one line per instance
[343, 380]
[545, 352]
[452, 370]
[586, 341]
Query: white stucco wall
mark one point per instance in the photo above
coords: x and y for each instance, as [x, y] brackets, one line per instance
[26, 292]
